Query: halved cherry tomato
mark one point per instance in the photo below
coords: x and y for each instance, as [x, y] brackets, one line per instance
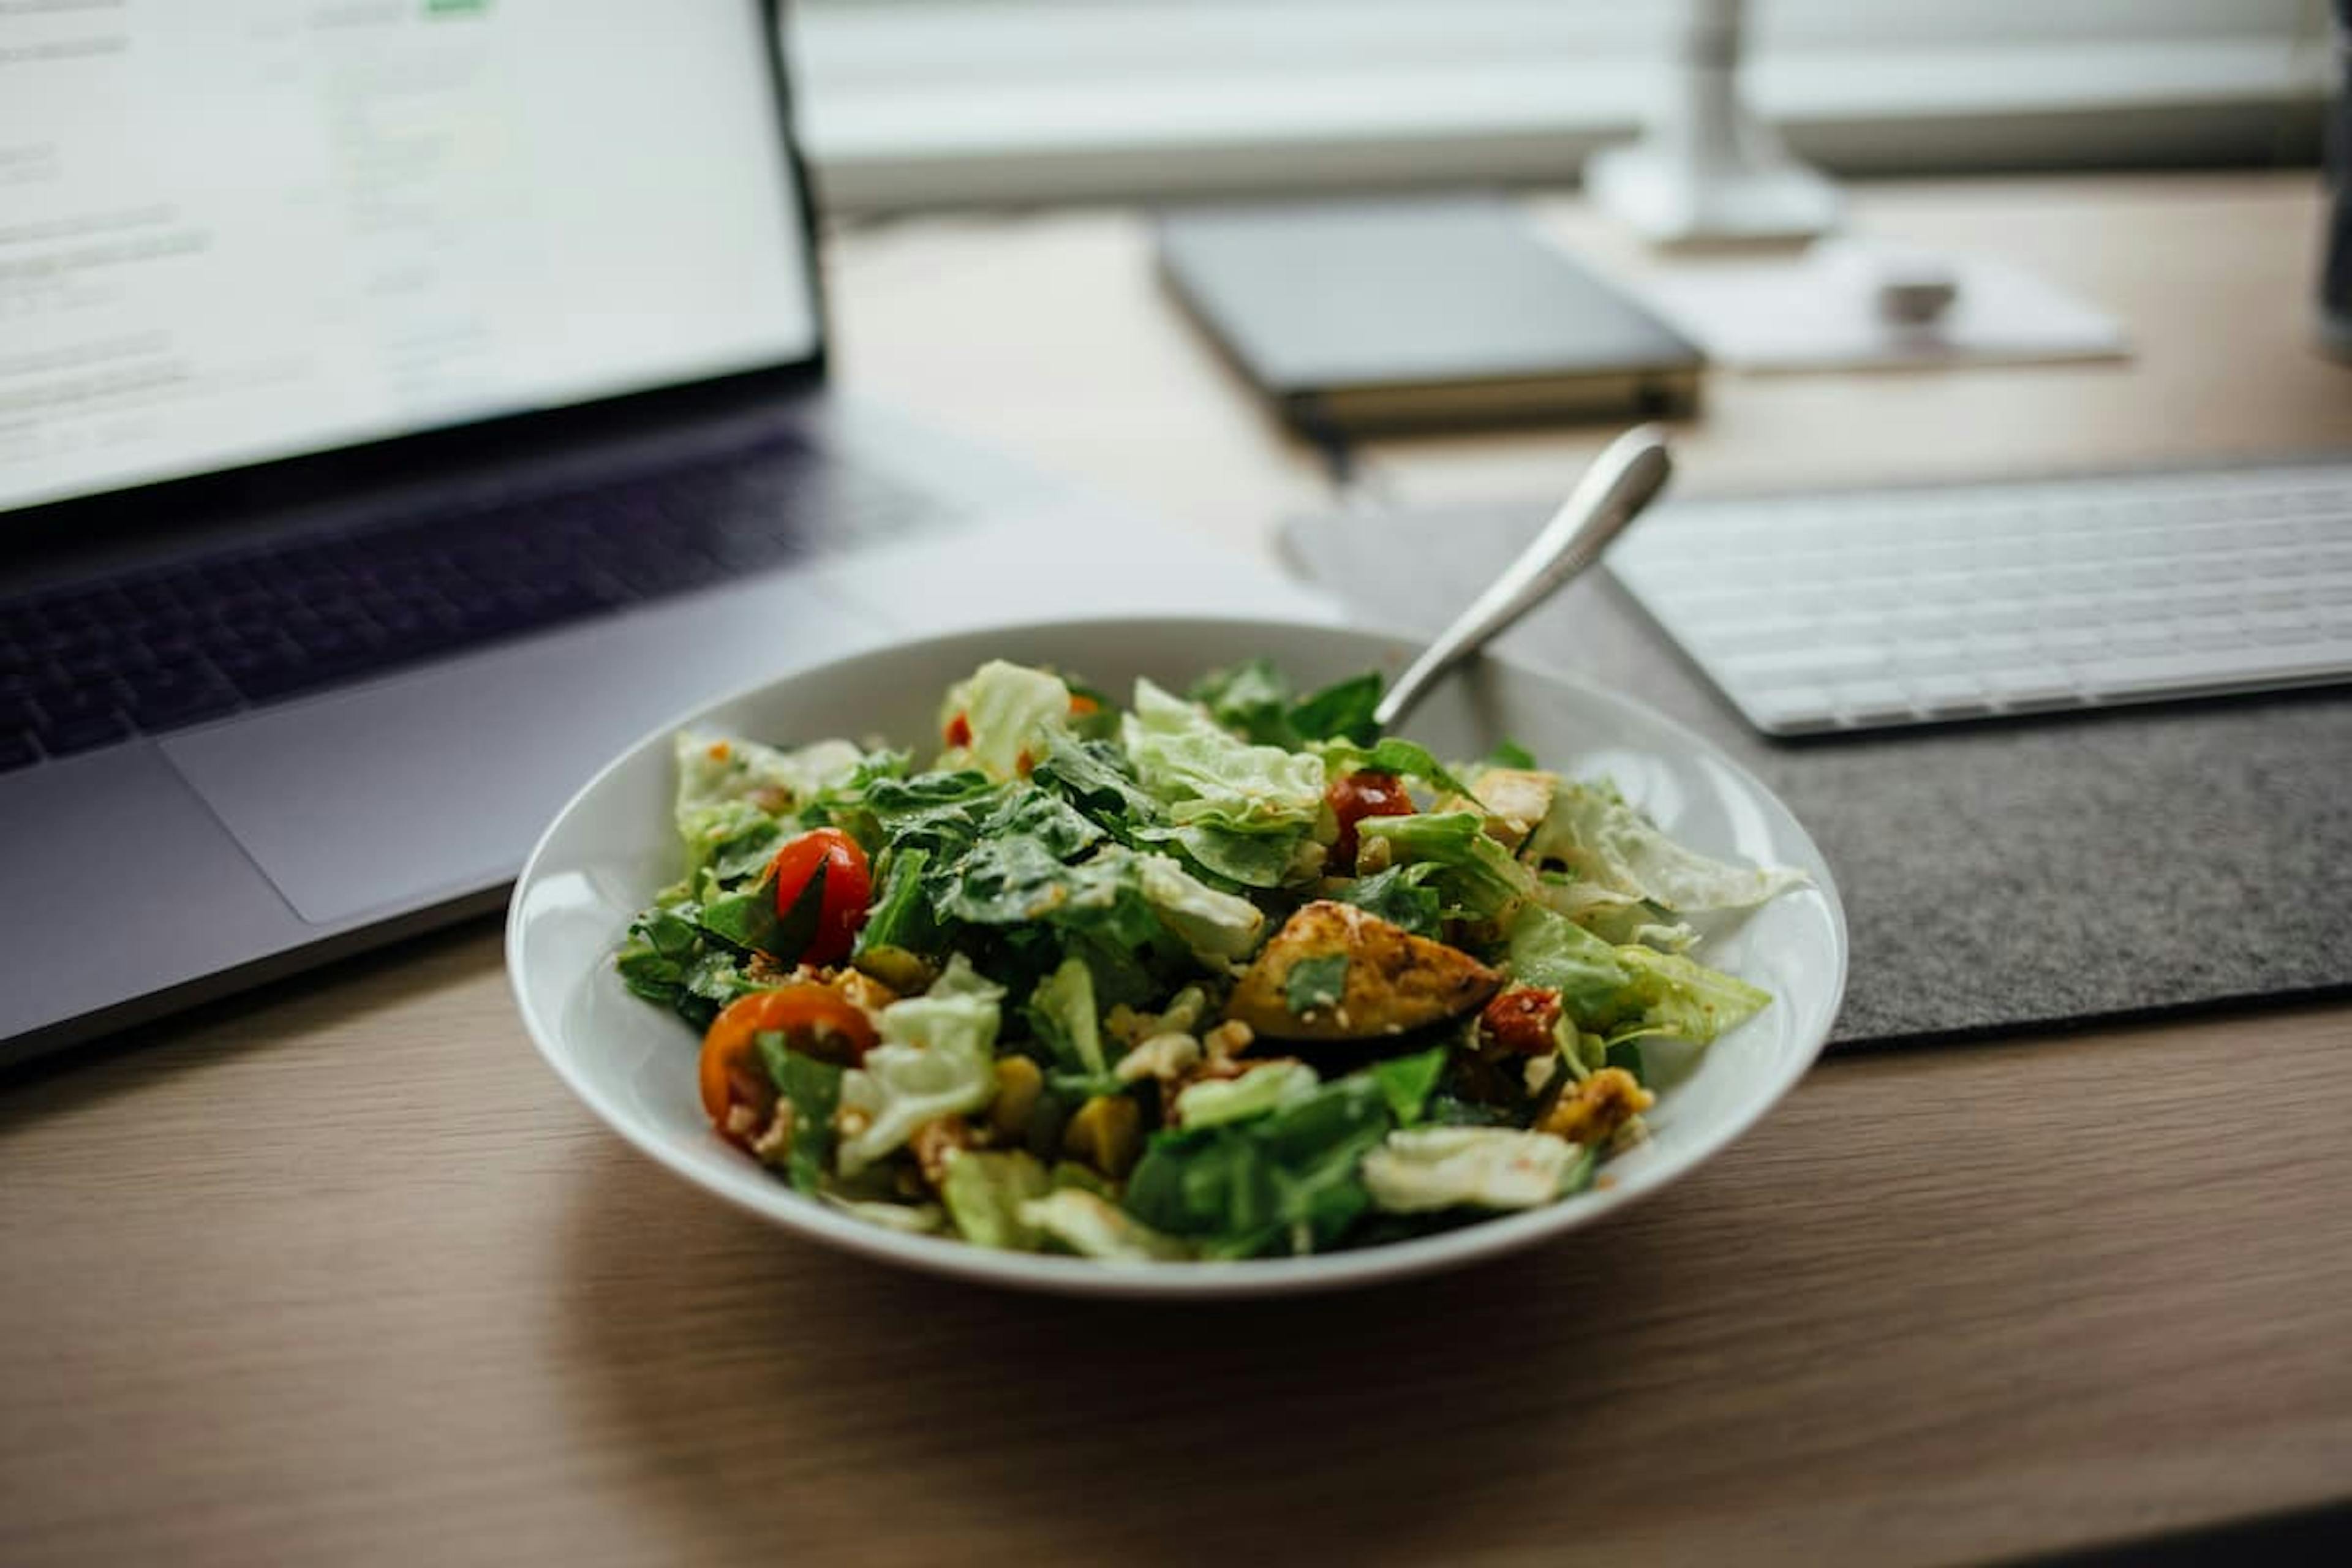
[841, 906]
[1355, 796]
[1521, 1018]
[814, 1018]
[1081, 705]
[959, 732]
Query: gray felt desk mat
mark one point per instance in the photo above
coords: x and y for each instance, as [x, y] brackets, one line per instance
[1995, 875]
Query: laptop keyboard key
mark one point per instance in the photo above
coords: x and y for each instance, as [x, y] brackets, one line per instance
[83, 732]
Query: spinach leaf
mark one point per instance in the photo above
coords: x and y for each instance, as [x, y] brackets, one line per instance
[1288, 1179]
[901, 915]
[1626, 1054]
[1509, 753]
[1094, 776]
[747, 918]
[1342, 710]
[1406, 1082]
[1251, 699]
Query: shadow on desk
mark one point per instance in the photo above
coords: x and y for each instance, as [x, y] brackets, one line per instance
[761, 1378]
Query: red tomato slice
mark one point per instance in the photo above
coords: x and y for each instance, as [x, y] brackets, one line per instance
[848, 890]
[814, 1018]
[1355, 796]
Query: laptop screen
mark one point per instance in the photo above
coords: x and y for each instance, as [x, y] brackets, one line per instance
[249, 229]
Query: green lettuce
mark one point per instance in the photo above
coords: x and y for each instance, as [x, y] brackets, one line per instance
[1623, 992]
[1202, 773]
[1600, 838]
[935, 1058]
[1253, 700]
[1422, 1169]
[1474, 873]
[1286, 1179]
[1092, 1226]
[1260, 1091]
[1061, 1012]
[1013, 711]
[984, 1193]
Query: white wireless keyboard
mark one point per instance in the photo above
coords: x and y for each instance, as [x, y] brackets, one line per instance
[1858, 609]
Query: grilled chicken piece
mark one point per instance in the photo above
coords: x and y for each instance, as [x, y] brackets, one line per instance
[1515, 800]
[1387, 979]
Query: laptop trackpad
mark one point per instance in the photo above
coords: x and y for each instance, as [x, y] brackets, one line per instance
[434, 783]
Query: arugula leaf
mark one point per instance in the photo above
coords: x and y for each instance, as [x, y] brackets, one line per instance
[1342, 709]
[1407, 1082]
[1319, 981]
[1400, 895]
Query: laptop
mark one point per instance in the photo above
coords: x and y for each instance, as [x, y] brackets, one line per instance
[402, 409]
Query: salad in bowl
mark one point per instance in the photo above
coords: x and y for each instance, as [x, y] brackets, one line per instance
[1156, 975]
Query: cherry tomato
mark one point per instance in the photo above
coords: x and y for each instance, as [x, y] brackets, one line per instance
[1521, 1019]
[1355, 796]
[814, 1020]
[848, 890]
[959, 732]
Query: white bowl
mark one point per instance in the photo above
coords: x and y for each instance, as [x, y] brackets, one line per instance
[633, 1064]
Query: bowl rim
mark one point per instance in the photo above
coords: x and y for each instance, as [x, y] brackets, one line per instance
[1092, 1277]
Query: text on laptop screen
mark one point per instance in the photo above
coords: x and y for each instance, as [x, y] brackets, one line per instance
[250, 228]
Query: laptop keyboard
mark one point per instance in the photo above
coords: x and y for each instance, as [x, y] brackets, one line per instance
[1867, 609]
[162, 648]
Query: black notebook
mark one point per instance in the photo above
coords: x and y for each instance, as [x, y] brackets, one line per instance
[1382, 315]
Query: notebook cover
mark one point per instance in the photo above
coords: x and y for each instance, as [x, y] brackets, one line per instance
[1380, 312]
[1996, 876]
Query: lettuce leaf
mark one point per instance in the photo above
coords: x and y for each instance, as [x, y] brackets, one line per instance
[1012, 711]
[935, 1058]
[1475, 872]
[1260, 1091]
[1090, 1226]
[1062, 1012]
[1600, 838]
[1625, 992]
[1202, 773]
[1422, 1169]
[1393, 756]
[984, 1193]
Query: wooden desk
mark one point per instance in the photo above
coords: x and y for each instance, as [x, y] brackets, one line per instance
[340, 1273]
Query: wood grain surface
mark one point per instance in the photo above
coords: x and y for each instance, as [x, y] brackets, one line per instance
[340, 1273]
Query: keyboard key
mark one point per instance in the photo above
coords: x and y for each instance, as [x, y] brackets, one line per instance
[1949, 696]
[2204, 671]
[1875, 702]
[1791, 709]
[82, 733]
